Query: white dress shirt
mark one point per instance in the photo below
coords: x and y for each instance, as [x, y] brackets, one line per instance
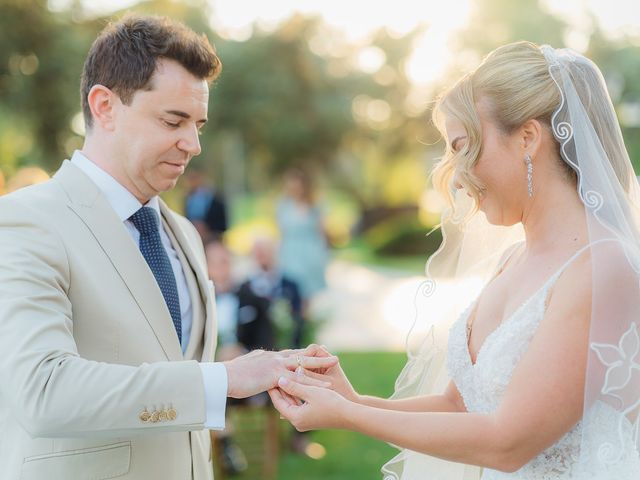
[126, 204]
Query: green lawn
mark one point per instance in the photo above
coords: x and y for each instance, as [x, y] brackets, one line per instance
[350, 455]
[359, 252]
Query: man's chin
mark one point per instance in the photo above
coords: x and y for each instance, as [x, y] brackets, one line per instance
[165, 185]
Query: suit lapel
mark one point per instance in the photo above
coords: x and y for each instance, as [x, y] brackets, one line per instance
[195, 295]
[95, 212]
[203, 322]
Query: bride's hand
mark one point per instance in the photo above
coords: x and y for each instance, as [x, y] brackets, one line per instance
[321, 407]
[334, 374]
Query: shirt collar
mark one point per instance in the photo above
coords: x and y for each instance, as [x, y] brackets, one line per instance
[121, 200]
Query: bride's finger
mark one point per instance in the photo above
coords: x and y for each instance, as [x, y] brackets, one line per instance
[279, 402]
[314, 350]
[292, 351]
[295, 388]
[321, 377]
[305, 379]
[288, 398]
[317, 376]
[292, 400]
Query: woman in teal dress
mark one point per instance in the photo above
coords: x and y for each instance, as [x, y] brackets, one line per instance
[303, 248]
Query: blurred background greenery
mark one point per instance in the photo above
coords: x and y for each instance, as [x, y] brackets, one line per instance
[343, 89]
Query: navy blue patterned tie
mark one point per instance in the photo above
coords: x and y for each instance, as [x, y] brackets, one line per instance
[147, 222]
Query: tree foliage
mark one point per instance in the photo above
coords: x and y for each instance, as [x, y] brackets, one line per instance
[281, 100]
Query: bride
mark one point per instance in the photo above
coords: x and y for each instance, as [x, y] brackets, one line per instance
[541, 375]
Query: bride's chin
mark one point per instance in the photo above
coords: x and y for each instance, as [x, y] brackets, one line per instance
[491, 215]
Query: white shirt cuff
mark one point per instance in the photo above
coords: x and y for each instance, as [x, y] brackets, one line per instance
[214, 376]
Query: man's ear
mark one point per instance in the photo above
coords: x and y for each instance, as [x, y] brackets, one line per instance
[102, 102]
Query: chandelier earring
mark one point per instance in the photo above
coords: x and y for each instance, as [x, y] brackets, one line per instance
[527, 160]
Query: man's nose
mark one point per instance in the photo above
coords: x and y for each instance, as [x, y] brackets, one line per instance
[190, 142]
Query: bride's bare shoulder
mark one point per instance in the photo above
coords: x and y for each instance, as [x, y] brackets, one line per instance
[605, 265]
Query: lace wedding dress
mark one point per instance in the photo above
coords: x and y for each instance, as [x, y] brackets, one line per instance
[483, 384]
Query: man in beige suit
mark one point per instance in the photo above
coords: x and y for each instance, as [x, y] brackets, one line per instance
[107, 328]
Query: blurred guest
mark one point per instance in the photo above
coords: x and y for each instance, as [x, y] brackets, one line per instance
[204, 205]
[25, 177]
[271, 316]
[1, 182]
[219, 266]
[216, 216]
[303, 251]
[270, 304]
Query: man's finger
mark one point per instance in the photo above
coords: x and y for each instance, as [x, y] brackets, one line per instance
[310, 363]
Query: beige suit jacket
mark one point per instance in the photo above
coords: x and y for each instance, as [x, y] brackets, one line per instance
[93, 382]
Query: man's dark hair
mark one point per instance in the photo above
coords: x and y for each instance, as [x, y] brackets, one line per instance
[124, 56]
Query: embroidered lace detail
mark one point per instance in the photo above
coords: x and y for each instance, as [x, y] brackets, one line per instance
[482, 386]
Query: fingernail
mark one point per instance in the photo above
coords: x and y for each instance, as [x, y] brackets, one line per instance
[283, 381]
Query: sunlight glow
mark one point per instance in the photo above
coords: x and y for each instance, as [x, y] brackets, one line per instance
[431, 54]
[235, 19]
[404, 304]
[364, 308]
[77, 124]
[371, 59]
[373, 112]
[93, 7]
[615, 17]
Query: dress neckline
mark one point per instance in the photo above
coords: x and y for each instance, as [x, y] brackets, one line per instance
[473, 307]
[502, 324]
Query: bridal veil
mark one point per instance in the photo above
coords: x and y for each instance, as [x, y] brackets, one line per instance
[590, 142]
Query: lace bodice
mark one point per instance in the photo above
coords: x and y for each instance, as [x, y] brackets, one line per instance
[483, 384]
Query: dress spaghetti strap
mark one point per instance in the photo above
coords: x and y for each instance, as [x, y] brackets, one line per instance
[579, 252]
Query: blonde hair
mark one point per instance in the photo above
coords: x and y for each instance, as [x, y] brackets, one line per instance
[516, 81]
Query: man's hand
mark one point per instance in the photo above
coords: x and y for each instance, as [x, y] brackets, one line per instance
[259, 371]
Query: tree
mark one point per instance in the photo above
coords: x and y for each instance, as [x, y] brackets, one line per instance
[40, 62]
[279, 98]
